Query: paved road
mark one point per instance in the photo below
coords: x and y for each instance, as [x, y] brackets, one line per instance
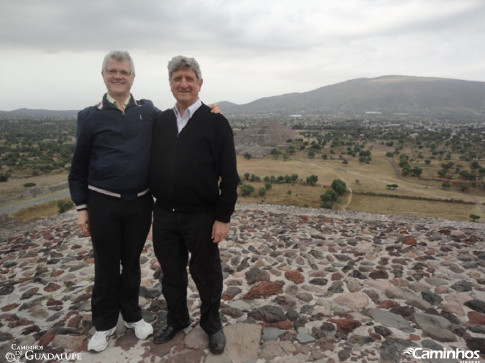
[15, 206]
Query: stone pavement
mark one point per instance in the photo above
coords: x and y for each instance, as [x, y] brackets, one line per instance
[300, 285]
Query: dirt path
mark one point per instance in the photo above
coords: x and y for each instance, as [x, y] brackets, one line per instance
[15, 206]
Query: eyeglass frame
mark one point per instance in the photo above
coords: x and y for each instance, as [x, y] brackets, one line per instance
[114, 72]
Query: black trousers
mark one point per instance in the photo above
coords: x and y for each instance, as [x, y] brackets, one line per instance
[119, 229]
[174, 236]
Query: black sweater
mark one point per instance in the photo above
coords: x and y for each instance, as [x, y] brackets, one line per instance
[194, 171]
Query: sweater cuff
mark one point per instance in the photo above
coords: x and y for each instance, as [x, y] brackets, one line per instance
[81, 207]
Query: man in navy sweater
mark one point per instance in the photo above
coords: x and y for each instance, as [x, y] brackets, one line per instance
[194, 179]
[108, 182]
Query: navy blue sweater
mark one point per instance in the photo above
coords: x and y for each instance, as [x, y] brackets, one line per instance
[194, 171]
[112, 149]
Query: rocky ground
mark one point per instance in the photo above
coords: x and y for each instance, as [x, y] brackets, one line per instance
[301, 285]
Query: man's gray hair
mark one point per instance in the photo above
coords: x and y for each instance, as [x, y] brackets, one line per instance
[181, 62]
[119, 56]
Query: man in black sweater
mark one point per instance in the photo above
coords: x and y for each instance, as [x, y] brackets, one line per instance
[194, 179]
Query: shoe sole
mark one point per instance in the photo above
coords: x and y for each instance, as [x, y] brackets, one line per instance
[217, 351]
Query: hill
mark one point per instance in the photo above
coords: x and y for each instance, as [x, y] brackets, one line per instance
[38, 114]
[419, 96]
[441, 98]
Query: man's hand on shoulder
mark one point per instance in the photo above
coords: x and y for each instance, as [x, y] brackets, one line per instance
[215, 108]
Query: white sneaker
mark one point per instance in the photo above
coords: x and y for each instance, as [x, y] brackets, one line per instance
[142, 329]
[99, 341]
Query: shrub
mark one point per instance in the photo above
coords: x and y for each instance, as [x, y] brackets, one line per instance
[327, 204]
[329, 196]
[246, 189]
[474, 217]
[64, 205]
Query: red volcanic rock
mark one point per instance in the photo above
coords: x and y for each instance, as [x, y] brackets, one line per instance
[46, 338]
[57, 273]
[284, 325]
[295, 276]
[409, 240]
[346, 325]
[387, 304]
[264, 289]
[51, 287]
[74, 322]
[9, 307]
[337, 276]
[378, 274]
[476, 318]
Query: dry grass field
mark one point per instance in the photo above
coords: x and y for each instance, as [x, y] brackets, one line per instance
[43, 210]
[15, 185]
[361, 179]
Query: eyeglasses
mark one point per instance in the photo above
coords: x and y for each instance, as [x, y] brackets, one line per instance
[114, 72]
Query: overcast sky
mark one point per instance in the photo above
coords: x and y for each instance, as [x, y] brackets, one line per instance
[52, 50]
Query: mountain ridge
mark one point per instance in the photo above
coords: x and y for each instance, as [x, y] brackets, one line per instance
[385, 94]
[390, 94]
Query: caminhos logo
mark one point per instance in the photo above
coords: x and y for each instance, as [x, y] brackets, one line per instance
[465, 356]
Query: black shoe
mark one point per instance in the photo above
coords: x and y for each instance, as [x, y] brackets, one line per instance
[217, 342]
[167, 333]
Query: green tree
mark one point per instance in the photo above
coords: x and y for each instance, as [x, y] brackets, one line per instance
[329, 196]
[416, 171]
[339, 186]
[474, 217]
[276, 153]
[312, 180]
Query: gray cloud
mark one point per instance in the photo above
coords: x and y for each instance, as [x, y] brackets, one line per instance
[248, 48]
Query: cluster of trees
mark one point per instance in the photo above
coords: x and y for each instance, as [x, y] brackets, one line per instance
[476, 172]
[33, 147]
[247, 189]
[338, 188]
[406, 168]
[424, 141]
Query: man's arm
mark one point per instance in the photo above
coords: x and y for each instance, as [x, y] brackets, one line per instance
[78, 175]
[228, 184]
